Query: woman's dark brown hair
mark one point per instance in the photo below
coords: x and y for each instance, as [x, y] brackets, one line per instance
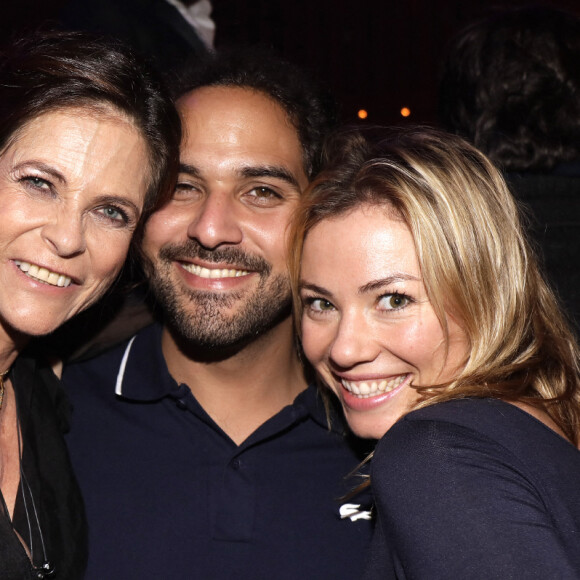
[52, 71]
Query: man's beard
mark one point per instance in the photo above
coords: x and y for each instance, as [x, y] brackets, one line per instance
[200, 318]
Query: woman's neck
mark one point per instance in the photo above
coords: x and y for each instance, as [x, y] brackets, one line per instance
[10, 345]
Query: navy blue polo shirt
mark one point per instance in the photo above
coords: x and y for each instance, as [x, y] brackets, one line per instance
[169, 495]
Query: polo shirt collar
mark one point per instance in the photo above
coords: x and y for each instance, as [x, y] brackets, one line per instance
[313, 401]
[143, 374]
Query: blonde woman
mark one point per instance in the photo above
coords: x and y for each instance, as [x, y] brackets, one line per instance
[421, 306]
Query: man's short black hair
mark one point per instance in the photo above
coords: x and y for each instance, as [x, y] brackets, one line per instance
[310, 108]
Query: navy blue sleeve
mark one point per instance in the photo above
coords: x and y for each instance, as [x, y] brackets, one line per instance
[454, 504]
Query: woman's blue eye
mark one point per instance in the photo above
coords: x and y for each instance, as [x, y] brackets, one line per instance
[36, 182]
[114, 214]
[393, 301]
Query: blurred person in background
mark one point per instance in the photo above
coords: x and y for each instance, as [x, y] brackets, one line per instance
[511, 86]
[168, 32]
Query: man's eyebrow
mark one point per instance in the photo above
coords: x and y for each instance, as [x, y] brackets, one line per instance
[275, 171]
[189, 169]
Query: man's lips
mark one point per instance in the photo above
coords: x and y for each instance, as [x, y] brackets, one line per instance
[213, 273]
[43, 274]
[222, 263]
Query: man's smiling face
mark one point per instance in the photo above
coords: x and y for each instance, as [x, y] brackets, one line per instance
[215, 254]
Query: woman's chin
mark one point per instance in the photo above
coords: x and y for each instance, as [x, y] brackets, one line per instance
[367, 429]
[32, 325]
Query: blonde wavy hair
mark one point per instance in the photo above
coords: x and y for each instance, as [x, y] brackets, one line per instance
[475, 259]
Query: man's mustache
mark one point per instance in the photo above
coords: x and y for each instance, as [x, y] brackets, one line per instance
[233, 257]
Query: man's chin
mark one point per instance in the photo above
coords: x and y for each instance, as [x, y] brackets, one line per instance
[221, 341]
[212, 322]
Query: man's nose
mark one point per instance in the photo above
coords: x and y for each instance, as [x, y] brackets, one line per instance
[215, 222]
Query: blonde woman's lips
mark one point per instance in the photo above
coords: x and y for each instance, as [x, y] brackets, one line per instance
[372, 388]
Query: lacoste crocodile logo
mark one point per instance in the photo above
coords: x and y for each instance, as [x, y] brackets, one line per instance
[353, 512]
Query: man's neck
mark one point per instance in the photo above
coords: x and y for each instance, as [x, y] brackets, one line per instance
[242, 391]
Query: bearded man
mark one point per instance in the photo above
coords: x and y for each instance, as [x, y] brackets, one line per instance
[200, 448]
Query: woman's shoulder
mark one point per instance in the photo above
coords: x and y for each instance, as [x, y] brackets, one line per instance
[442, 426]
[457, 482]
[490, 417]
[464, 411]
[477, 432]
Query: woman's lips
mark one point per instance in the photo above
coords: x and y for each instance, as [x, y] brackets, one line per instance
[371, 388]
[43, 274]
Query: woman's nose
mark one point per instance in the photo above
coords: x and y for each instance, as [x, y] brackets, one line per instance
[353, 343]
[64, 232]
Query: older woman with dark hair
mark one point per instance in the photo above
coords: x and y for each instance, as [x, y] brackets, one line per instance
[88, 147]
[423, 309]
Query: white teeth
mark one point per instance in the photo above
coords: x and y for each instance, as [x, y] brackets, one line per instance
[44, 275]
[53, 278]
[214, 272]
[366, 389]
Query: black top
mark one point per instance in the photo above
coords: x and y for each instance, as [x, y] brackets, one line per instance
[475, 489]
[170, 495]
[49, 513]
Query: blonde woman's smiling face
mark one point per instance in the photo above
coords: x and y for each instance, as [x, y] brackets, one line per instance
[367, 324]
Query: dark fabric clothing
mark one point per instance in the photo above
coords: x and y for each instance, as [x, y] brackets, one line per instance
[49, 512]
[475, 489]
[152, 27]
[554, 201]
[170, 495]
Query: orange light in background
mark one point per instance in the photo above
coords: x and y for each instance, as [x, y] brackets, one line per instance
[362, 114]
[405, 112]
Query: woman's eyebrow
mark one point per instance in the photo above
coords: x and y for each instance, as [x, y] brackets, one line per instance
[303, 285]
[41, 166]
[380, 283]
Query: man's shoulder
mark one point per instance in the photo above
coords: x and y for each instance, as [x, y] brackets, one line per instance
[106, 365]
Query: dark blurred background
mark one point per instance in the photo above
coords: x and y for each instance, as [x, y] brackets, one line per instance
[377, 55]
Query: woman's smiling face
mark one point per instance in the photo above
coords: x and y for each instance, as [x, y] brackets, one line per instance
[367, 324]
[72, 188]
